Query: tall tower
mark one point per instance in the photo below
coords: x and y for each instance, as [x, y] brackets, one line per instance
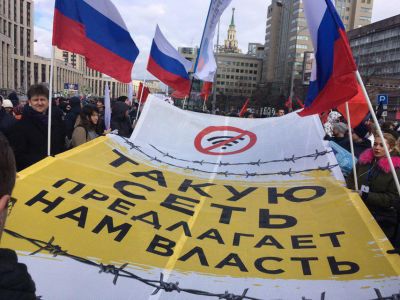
[231, 43]
[287, 37]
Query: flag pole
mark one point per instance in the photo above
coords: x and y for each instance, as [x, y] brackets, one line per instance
[184, 103]
[50, 102]
[352, 146]
[380, 133]
[214, 100]
[140, 99]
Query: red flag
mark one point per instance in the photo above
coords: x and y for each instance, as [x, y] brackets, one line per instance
[244, 108]
[179, 95]
[289, 103]
[206, 90]
[397, 115]
[300, 103]
[146, 92]
[358, 108]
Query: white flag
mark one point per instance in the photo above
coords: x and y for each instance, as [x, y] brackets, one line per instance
[206, 64]
[107, 107]
[130, 92]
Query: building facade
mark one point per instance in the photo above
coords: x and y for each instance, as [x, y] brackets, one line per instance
[287, 37]
[376, 50]
[238, 74]
[16, 30]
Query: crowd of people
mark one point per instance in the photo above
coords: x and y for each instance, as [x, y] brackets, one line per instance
[74, 121]
[376, 185]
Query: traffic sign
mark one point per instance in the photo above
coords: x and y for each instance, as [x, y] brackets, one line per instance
[383, 99]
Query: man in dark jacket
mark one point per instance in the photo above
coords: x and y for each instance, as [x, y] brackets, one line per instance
[120, 119]
[28, 137]
[6, 120]
[15, 281]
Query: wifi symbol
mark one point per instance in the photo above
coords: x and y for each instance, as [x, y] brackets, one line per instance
[220, 139]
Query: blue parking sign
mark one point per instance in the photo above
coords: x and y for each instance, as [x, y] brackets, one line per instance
[383, 99]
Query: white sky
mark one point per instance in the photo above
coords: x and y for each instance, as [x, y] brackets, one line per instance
[182, 22]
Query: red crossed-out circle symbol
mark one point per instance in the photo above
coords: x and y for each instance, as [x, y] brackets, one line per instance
[224, 140]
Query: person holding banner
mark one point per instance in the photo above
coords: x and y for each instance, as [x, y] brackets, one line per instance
[15, 281]
[378, 189]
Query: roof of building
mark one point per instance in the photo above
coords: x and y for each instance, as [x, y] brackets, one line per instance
[375, 27]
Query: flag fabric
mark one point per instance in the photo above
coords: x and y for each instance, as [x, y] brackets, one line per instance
[206, 90]
[300, 103]
[206, 65]
[244, 108]
[333, 81]
[107, 107]
[143, 93]
[179, 95]
[358, 108]
[167, 64]
[96, 30]
[289, 103]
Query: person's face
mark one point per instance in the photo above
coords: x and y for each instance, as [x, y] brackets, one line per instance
[9, 110]
[281, 113]
[94, 118]
[23, 102]
[39, 103]
[378, 149]
[128, 102]
[99, 106]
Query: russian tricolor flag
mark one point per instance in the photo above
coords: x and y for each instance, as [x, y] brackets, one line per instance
[333, 80]
[168, 65]
[96, 30]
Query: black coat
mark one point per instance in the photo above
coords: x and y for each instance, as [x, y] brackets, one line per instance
[120, 120]
[28, 138]
[6, 121]
[15, 281]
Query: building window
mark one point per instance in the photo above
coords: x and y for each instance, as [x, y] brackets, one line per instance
[28, 75]
[15, 38]
[16, 74]
[22, 74]
[21, 12]
[28, 42]
[21, 41]
[43, 73]
[36, 73]
[28, 14]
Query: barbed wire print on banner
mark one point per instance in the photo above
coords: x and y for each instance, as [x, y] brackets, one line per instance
[159, 284]
[248, 174]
